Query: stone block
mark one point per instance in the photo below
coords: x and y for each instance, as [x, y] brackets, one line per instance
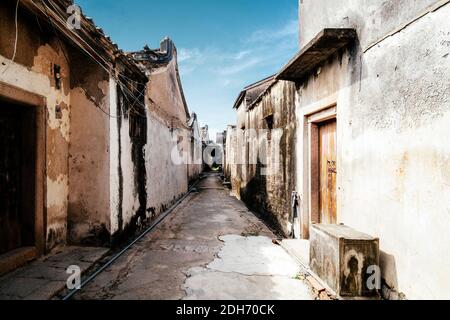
[342, 256]
[17, 258]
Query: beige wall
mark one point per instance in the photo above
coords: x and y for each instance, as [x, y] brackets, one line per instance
[165, 94]
[89, 211]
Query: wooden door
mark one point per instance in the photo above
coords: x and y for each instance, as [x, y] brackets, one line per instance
[328, 172]
[17, 173]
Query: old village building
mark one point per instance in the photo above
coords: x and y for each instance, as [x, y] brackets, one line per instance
[359, 120]
[87, 133]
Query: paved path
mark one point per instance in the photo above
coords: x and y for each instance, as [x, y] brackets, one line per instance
[210, 247]
[42, 279]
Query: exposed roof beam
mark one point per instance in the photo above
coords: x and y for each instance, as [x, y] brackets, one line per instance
[318, 50]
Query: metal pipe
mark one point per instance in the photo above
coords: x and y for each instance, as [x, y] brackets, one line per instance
[295, 202]
[117, 256]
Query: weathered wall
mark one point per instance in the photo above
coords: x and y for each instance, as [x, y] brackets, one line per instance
[168, 139]
[167, 180]
[106, 152]
[230, 147]
[236, 157]
[264, 176]
[32, 70]
[89, 211]
[128, 173]
[195, 152]
[393, 127]
[372, 19]
[165, 94]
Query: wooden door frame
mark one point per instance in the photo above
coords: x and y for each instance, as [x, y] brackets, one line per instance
[18, 96]
[312, 117]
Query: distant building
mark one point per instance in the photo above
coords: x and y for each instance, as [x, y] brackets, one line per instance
[204, 132]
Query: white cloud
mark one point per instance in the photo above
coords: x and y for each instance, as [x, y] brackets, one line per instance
[231, 69]
[267, 36]
[242, 54]
[189, 55]
[262, 48]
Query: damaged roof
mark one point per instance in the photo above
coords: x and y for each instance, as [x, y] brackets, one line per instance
[90, 37]
[161, 56]
[252, 92]
[155, 58]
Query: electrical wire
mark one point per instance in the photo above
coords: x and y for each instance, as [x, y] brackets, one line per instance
[98, 62]
[124, 86]
[17, 37]
[67, 59]
[102, 63]
[68, 62]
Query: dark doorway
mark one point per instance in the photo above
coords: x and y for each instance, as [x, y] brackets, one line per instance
[17, 176]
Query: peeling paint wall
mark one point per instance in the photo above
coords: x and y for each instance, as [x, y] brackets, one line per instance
[128, 139]
[33, 70]
[88, 216]
[109, 142]
[393, 108]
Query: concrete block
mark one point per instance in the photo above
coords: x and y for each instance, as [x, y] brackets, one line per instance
[341, 257]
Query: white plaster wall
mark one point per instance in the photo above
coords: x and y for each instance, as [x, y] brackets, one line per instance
[130, 198]
[166, 180]
[373, 19]
[114, 186]
[393, 149]
[402, 146]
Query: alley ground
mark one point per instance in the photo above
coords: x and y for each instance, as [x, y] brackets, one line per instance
[210, 247]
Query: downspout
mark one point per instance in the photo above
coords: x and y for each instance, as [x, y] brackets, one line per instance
[295, 202]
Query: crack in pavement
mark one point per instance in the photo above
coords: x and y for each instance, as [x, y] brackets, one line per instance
[167, 265]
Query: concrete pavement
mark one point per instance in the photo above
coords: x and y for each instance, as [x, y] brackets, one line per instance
[210, 247]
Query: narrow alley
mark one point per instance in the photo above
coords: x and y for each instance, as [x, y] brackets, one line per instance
[224, 150]
[211, 247]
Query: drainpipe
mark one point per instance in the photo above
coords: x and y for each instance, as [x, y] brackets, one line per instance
[295, 201]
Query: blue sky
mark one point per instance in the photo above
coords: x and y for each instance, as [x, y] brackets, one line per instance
[222, 45]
